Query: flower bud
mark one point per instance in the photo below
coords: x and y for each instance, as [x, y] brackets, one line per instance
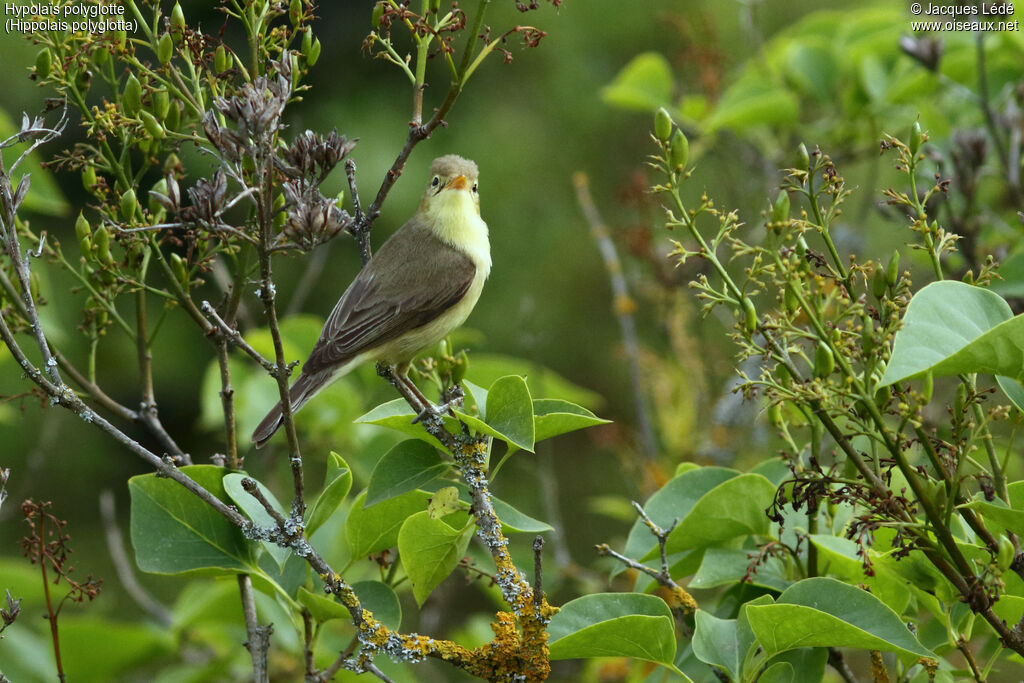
[131, 98]
[129, 205]
[44, 60]
[824, 361]
[662, 124]
[165, 48]
[679, 150]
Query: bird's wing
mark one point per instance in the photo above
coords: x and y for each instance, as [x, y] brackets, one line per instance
[425, 278]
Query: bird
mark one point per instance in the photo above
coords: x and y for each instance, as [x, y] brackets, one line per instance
[420, 285]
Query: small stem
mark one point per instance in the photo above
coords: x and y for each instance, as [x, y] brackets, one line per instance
[51, 614]
[258, 642]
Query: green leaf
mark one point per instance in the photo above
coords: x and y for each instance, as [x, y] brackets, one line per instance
[715, 643]
[444, 502]
[375, 528]
[824, 612]
[614, 625]
[479, 396]
[487, 368]
[255, 511]
[173, 532]
[515, 521]
[337, 484]
[952, 328]
[723, 566]
[509, 413]
[380, 599]
[733, 508]
[753, 101]
[644, 84]
[1010, 517]
[430, 550]
[406, 467]
[779, 672]
[101, 649]
[673, 501]
[275, 579]
[838, 557]
[398, 415]
[554, 416]
[322, 607]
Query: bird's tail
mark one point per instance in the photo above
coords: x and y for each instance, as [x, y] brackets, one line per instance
[304, 388]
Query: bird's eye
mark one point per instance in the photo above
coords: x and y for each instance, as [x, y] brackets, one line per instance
[435, 181]
[474, 187]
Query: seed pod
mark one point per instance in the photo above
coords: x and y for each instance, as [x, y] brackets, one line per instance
[220, 60]
[867, 335]
[101, 240]
[313, 56]
[782, 375]
[749, 315]
[121, 39]
[780, 209]
[460, 367]
[129, 205]
[177, 23]
[915, 138]
[879, 283]
[89, 177]
[152, 126]
[44, 60]
[84, 234]
[161, 104]
[961, 400]
[790, 299]
[824, 361]
[679, 150]
[180, 271]
[378, 12]
[882, 395]
[83, 79]
[775, 416]
[279, 216]
[928, 388]
[892, 270]
[435, 6]
[662, 124]
[307, 42]
[1006, 553]
[295, 12]
[165, 48]
[173, 118]
[100, 57]
[803, 159]
[131, 98]
[159, 187]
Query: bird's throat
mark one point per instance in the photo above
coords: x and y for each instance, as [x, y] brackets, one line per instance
[455, 219]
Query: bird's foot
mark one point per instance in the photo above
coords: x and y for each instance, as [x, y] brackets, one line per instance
[437, 411]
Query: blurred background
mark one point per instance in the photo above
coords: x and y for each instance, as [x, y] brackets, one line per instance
[749, 80]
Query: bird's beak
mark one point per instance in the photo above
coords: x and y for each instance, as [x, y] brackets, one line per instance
[459, 182]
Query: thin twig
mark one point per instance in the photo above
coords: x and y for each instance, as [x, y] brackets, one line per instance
[124, 566]
[236, 338]
[258, 641]
[623, 305]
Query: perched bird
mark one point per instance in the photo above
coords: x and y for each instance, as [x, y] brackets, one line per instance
[419, 286]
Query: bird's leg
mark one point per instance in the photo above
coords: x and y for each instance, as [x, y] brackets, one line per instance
[425, 407]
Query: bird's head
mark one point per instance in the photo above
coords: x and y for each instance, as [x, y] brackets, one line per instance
[453, 186]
